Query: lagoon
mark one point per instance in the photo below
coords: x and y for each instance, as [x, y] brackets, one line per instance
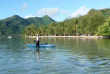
[70, 56]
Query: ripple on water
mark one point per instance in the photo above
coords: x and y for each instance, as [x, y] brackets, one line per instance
[72, 57]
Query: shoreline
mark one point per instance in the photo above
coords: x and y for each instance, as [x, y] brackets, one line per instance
[95, 37]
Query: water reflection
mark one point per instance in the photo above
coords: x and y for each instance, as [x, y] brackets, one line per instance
[37, 51]
[71, 55]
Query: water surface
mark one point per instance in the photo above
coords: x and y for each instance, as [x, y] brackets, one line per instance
[70, 56]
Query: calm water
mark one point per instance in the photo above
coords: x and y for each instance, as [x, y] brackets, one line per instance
[70, 56]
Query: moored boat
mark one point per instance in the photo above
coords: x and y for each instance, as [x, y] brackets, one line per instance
[9, 36]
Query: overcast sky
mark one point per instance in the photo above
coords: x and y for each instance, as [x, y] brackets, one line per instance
[58, 10]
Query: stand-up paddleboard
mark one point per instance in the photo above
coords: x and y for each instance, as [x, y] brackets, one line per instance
[41, 45]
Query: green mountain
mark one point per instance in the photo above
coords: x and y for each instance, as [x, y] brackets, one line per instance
[106, 12]
[83, 25]
[46, 20]
[15, 25]
[93, 13]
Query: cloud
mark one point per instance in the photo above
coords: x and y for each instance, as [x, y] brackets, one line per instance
[80, 12]
[48, 11]
[28, 16]
[54, 13]
[51, 11]
[100, 8]
[24, 6]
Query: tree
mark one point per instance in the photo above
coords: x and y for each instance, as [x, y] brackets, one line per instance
[94, 22]
[75, 26]
[51, 29]
[104, 29]
[45, 30]
[30, 30]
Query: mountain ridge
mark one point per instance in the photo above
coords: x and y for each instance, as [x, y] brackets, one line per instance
[16, 24]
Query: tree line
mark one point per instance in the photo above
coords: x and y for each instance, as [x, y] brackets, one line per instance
[94, 23]
[15, 25]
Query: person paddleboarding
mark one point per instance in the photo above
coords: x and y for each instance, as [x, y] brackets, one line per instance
[37, 41]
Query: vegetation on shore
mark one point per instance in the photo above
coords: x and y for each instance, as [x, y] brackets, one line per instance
[96, 22]
[104, 29]
[15, 25]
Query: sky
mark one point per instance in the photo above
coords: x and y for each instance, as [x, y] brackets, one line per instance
[58, 10]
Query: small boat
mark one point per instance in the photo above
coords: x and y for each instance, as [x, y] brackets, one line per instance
[42, 45]
[9, 36]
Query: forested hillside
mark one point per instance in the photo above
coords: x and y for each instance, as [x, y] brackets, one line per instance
[15, 25]
[90, 24]
[84, 25]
